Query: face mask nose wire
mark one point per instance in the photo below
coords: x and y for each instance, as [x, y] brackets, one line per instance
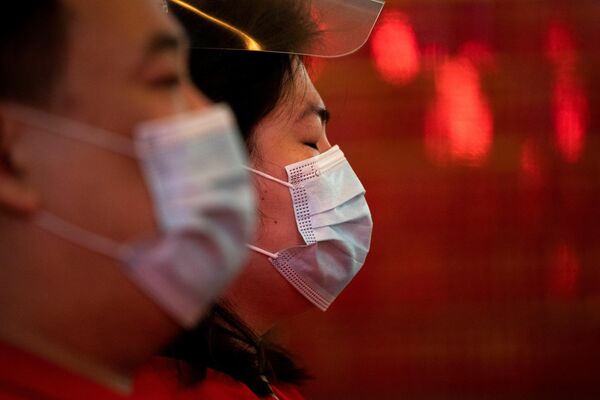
[269, 177]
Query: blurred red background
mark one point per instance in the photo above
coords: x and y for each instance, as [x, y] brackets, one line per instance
[472, 125]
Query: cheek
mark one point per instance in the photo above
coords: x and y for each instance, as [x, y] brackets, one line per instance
[277, 228]
[89, 187]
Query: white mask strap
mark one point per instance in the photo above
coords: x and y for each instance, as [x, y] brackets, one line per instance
[78, 236]
[263, 252]
[269, 177]
[72, 129]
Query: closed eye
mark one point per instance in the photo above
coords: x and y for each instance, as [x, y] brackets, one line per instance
[169, 81]
[324, 115]
[313, 110]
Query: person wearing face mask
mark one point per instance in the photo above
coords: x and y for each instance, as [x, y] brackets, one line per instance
[314, 223]
[125, 206]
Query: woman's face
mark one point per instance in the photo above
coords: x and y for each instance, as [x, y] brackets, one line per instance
[293, 132]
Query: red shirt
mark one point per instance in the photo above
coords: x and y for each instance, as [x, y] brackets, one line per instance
[160, 378]
[26, 376]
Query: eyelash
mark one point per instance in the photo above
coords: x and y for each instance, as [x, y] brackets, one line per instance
[325, 116]
[312, 145]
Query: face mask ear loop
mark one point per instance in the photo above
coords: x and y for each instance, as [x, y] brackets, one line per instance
[269, 177]
[78, 236]
[271, 256]
[74, 130]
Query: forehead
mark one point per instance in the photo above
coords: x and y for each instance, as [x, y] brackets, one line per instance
[116, 25]
[301, 93]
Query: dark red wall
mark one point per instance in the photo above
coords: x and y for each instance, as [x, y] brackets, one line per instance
[474, 127]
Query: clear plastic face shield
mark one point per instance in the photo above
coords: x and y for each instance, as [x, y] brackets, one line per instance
[340, 26]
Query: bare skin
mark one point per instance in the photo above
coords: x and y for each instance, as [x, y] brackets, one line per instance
[125, 63]
[293, 132]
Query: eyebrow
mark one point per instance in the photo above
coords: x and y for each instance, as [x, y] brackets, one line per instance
[162, 42]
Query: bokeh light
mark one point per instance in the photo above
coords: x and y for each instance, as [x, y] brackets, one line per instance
[395, 49]
[564, 272]
[569, 102]
[459, 125]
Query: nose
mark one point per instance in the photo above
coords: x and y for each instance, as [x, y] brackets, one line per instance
[191, 99]
[323, 144]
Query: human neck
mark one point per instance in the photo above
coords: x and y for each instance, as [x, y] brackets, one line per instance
[86, 317]
[263, 305]
[95, 343]
[31, 342]
[253, 317]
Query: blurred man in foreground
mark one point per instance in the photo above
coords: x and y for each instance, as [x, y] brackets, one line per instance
[102, 261]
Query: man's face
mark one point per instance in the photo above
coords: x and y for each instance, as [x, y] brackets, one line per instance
[125, 63]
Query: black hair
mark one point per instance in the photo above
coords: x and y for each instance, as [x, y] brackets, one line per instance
[223, 342]
[32, 43]
[253, 83]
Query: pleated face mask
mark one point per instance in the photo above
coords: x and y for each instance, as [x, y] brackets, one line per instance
[334, 220]
[203, 202]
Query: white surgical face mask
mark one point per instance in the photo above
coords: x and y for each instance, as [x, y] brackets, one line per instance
[335, 222]
[203, 201]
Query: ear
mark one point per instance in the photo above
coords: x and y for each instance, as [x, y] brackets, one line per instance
[15, 196]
